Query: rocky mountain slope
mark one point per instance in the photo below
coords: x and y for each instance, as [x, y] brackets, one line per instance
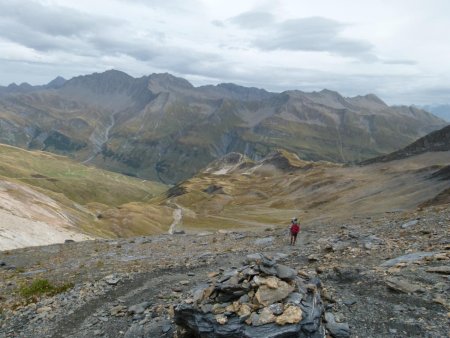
[161, 127]
[437, 141]
[46, 198]
[387, 276]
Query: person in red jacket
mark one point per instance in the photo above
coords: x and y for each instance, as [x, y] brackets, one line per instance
[295, 229]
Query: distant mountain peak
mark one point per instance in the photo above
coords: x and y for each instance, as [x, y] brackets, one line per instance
[162, 82]
[57, 82]
[374, 98]
[330, 92]
[110, 81]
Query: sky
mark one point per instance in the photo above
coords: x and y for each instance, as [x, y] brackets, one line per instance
[398, 50]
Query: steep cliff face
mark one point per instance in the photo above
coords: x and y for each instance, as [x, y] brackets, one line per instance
[161, 127]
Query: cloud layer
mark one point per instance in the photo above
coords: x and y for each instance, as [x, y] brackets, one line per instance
[278, 45]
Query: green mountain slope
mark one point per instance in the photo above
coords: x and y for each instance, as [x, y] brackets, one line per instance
[93, 201]
[160, 127]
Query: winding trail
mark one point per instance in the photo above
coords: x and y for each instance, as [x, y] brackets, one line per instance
[177, 216]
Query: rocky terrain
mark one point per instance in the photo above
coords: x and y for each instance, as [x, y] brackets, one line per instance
[437, 141]
[386, 276]
[162, 128]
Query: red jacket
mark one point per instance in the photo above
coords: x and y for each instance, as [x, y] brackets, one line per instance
[295, 228]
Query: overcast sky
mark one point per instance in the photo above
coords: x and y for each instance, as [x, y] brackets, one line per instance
[399, 50]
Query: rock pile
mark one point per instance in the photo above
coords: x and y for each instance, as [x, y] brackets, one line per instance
[260, 299]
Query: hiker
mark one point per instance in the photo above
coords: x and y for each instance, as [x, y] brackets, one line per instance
[295, 228]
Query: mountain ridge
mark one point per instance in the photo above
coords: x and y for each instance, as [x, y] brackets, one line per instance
[162, 127]
[436, 141]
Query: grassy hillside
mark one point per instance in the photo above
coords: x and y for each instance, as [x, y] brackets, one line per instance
[270, 192]
[96, 201]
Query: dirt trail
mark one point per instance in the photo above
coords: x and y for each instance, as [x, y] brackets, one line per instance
[177, 216]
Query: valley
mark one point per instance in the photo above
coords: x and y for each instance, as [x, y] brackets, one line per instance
[90, 246]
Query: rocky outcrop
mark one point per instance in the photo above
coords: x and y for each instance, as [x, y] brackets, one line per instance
[259, 299]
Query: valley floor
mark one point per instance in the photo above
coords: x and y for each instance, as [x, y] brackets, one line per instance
[377, 297]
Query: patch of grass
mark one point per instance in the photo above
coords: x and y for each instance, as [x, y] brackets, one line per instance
[43, 287]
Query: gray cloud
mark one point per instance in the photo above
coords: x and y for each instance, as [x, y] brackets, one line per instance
[138, 49]
[44, 28]
[52, 20]
[399, 62]
[51, 28]
[312, 34]
[251, 20]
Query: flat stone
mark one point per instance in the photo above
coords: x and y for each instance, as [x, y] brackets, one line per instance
[264, 241]
[349, 302]
[313, 258]
[112, 279]
[285, 272]
[445, 270]
[337, 330]
[272, 282]
[44, 309]
[277, 309]
[409, 224]
[221, 319]
[291, 315]
[138, 308]
[166, 328]
[34, 272]
[118, 310]
[401, 285]
[294, 298]
[265, 317]
[223, 231]
[244, 310]
[409, 258]
[279, 256]
[267, 296]
[256, 257]
[268, 270]
[212, 274]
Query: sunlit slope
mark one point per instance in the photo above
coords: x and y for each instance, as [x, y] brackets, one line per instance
[92, 201]
[270, 192]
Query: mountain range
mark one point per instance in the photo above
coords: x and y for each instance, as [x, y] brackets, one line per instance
[440, 110]
[161, 127]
